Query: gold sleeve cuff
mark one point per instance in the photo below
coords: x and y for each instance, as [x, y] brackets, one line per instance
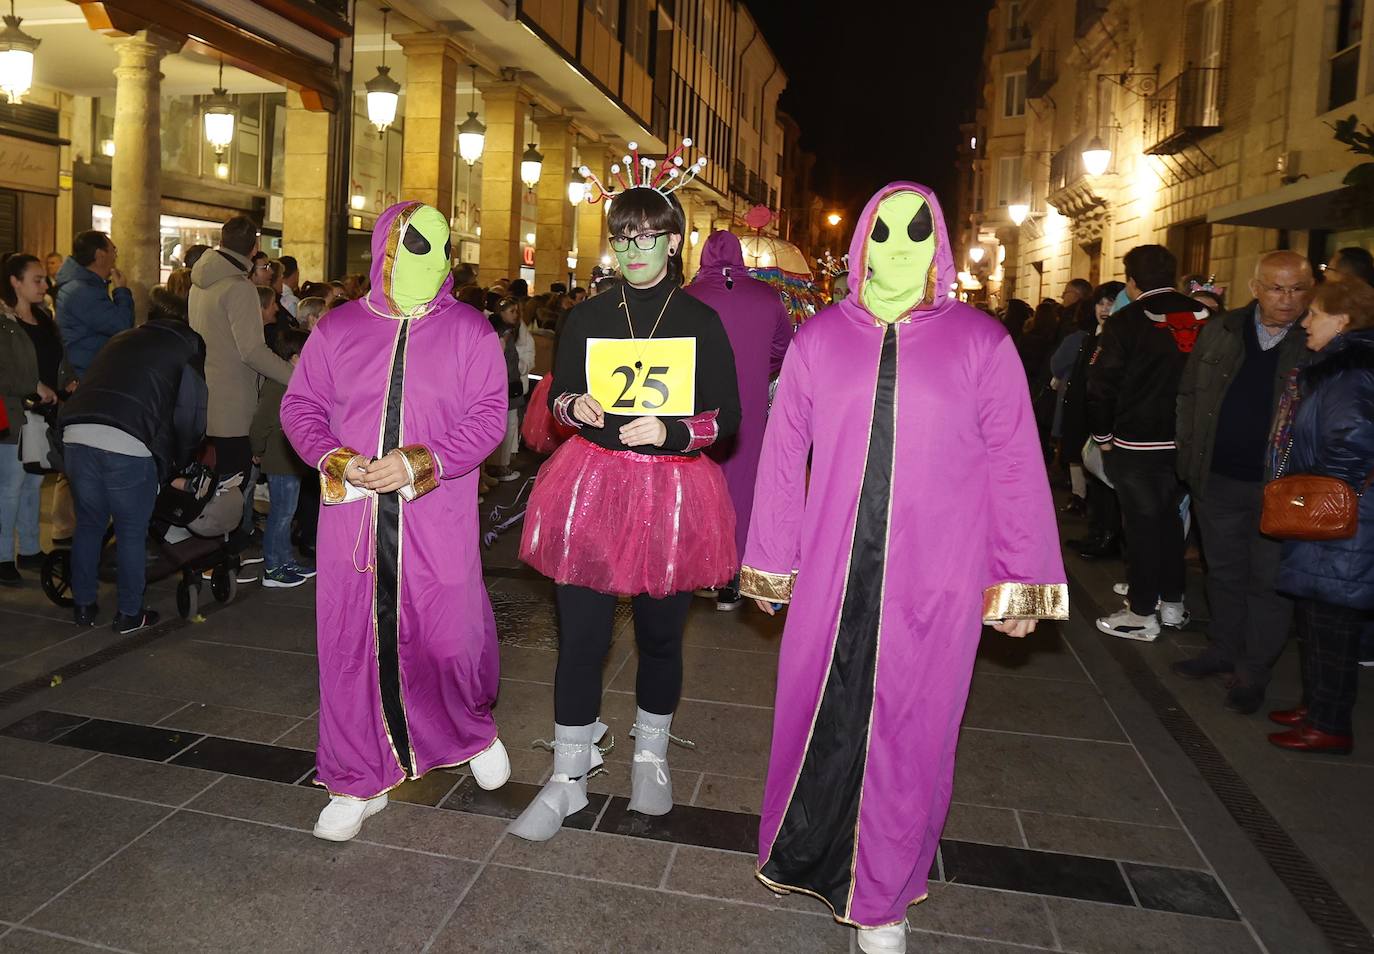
[332, 467]
[421, 465]
[772, 587]
[1025, 601]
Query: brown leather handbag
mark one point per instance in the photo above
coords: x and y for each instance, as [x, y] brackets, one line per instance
[1310, 507]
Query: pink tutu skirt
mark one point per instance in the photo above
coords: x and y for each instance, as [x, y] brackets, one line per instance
[626, 523]
[541, 432]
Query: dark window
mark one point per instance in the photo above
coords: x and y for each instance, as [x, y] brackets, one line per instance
[1197, 249]
[1344, 71]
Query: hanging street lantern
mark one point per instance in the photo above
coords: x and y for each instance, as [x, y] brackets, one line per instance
[577, 189]
[472, 132]
[383, 92]
[1018, 212]
[531, 164]
[221, 115]
[16, 58]
[1097, 157]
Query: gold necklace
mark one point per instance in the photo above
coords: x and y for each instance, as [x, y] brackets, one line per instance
[625, 303]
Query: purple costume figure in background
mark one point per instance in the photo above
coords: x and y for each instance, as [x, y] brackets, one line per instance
[760, 330]
[928, 512]
[409, 665]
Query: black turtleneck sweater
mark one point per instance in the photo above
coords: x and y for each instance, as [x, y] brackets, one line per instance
[603, 316]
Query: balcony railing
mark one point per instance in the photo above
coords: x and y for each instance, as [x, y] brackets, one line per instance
[1186, 109]
[1040, 75]
[757, 192]
[1087, 14]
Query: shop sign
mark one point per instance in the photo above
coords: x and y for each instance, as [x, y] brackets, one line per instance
[528, 257]
[28, 166]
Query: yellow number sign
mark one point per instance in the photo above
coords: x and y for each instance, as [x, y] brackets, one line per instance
[632, 378]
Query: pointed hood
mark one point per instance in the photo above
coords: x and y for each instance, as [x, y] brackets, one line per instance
[722, 260]
[942, 270]
[386, 248]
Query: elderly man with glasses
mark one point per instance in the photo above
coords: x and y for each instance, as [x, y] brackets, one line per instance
[1226, 403]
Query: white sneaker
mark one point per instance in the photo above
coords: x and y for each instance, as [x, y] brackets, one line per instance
[343, 817]
[1121, 589]
[883, 940]
[508, 476]
[1128, 625]
[491, 769]
[1174, 615]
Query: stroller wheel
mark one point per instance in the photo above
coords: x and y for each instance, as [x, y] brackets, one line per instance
[188, 599]
[56, 577]
[224, 582]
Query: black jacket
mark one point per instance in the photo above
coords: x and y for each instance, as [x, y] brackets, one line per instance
[1134, 374]
[1333, 435]
[149, 382]
[1211, 368]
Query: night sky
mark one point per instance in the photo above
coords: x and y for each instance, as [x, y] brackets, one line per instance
[879, 87]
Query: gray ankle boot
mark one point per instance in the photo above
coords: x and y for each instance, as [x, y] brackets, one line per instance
[651, 785]
[565, 793]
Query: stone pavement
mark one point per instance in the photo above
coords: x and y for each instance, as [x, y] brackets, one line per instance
[159, 800]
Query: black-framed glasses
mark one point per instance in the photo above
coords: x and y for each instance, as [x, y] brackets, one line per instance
[644, 241]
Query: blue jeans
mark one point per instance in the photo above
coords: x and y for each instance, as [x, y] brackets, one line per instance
[20, 493]
[110, 486]
[276, 542]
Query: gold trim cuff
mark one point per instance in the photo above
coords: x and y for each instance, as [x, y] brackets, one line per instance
[421, 465]
[760, 585]
[334, 489]
[1025, 601]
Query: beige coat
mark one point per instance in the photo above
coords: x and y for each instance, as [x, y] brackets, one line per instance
[224, 311]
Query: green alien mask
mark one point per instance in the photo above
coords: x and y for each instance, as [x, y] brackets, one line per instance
[420, 260]
[899, 254]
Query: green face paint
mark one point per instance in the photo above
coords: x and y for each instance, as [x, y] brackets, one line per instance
[641, 267]
[422, 260]
[898, 254]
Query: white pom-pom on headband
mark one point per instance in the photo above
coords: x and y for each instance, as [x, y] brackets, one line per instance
[645, 173]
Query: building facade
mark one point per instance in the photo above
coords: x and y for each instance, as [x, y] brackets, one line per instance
[1202, 125]
[112, 132]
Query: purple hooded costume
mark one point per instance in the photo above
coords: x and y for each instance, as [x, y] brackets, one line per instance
[408, 656]
[760, 331]
[927, 512]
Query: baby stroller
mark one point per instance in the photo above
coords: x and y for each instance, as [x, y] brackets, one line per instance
[188, 533]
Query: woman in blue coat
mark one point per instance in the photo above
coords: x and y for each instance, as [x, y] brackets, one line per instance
[1331, 429]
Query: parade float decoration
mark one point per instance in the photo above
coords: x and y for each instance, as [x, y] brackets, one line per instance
[781, 264]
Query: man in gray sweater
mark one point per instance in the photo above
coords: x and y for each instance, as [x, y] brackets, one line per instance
[224, 311]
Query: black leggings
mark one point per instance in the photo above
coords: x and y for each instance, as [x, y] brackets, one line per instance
[586, 620]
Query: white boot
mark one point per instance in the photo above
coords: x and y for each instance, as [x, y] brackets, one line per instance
[565, 793]
[491, 769]
[343, 817]
[651, 786]
[883, 940]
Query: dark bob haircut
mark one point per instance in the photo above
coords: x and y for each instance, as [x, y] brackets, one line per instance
[648, 210]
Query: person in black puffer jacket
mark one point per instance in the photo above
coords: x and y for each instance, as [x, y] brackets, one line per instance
[137, 417]
[1326, 427]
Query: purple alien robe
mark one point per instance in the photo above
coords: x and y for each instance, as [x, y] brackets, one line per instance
[928, 511]
[408, 658]
[760, 330]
